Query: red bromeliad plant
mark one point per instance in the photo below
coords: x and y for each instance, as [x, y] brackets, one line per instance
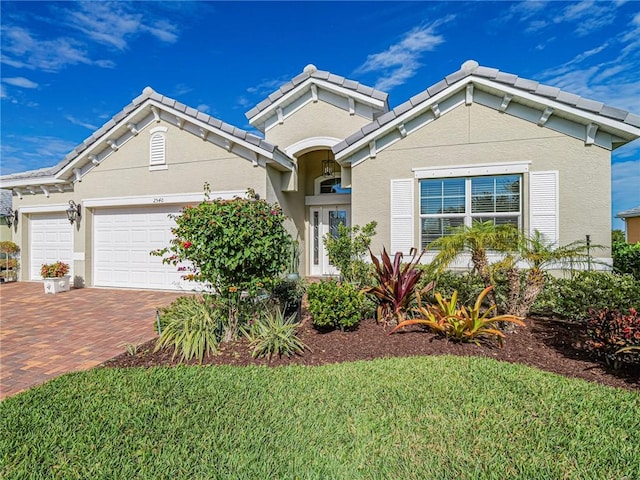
[396, 285]
[460, 324]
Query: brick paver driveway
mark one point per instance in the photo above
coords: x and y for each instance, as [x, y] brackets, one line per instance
[43, 336]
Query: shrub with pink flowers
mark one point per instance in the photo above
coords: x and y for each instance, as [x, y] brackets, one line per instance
[234, 245]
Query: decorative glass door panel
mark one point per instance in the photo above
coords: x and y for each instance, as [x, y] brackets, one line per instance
[323, 221]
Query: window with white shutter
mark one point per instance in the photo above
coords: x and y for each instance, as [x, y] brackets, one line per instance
[158, 147]
[544, 204]
[402, 215]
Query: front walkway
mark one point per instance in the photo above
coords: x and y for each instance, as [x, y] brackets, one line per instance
[43, 336]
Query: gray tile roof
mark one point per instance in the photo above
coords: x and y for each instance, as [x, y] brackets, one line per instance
[5, 200]
[634, 212]
[471, 67]
[147, 93]
[310, 71]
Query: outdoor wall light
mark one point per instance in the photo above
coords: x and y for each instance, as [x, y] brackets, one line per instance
[10, 216]
[328, 167]
[73, 212]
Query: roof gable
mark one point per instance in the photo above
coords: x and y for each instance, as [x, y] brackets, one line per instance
[148, 108]
[547, 106]
[313, 85]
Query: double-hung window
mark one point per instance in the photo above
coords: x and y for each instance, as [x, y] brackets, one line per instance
[446, 203]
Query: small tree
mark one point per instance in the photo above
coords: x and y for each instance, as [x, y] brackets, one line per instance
[233, 245]
[347, 251]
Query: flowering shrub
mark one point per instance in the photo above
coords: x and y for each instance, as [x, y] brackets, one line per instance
[611, 331]
[234, 245]
[54, 270]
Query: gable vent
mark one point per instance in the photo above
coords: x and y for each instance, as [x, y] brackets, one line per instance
[157, 147]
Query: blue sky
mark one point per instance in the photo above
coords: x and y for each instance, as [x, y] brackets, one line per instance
[68, 67]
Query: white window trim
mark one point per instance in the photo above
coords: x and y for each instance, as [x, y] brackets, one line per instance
[477, 170]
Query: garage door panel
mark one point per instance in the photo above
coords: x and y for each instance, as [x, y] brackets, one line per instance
[123, 240]
[51, 241]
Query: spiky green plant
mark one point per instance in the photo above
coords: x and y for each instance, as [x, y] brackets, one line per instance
[192, 326]
[460, 324]
[273, 334]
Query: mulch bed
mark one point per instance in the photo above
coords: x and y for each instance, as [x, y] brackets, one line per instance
[548, 344]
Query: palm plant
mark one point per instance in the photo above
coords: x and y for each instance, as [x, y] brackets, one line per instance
[539, 255]
[477, 239]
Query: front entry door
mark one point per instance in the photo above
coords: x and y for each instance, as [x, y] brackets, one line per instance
[322, 221]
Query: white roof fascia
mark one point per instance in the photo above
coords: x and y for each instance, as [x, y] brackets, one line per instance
[591, 117]
[100, 142]
[393, 124]
[344, 92]
[31, 182]
[227, 136]
[619, 127]
[187, 118]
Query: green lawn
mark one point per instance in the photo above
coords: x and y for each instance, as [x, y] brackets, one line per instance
[412, 418]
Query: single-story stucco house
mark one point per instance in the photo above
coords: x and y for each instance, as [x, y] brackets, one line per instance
[479, 144]
[631, 219]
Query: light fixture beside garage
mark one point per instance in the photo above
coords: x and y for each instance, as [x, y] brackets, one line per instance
[73, 212]
[10, 216]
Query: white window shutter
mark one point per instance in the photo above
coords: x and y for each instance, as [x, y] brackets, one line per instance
[157, 149]
[402, 206]
[544, 205]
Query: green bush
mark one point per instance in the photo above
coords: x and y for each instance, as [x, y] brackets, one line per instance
[288, 294]
[573, 297]
[611, 331]
[192, 325]
[335, 305]
[347, 251]
[234, 245]
[274, 334]
[626, 258]
[467, 284]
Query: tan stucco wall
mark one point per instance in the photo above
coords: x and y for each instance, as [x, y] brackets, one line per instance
[476, 134]
[125, 173]
[318, 119]
[633, 229]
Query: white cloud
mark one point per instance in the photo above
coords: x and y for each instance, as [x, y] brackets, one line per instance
[588, 15]
[20, 82]
[22, 50]
[203, 107]
[81, 123]
[89, 24]
[114, 23]
[401, 60]
[20, 153]
[266, 87]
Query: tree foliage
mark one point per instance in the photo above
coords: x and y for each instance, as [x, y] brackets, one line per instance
[347, 251]
[233, 245]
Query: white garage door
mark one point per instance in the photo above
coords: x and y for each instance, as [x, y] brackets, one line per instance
[123, 238]
[51, 241]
